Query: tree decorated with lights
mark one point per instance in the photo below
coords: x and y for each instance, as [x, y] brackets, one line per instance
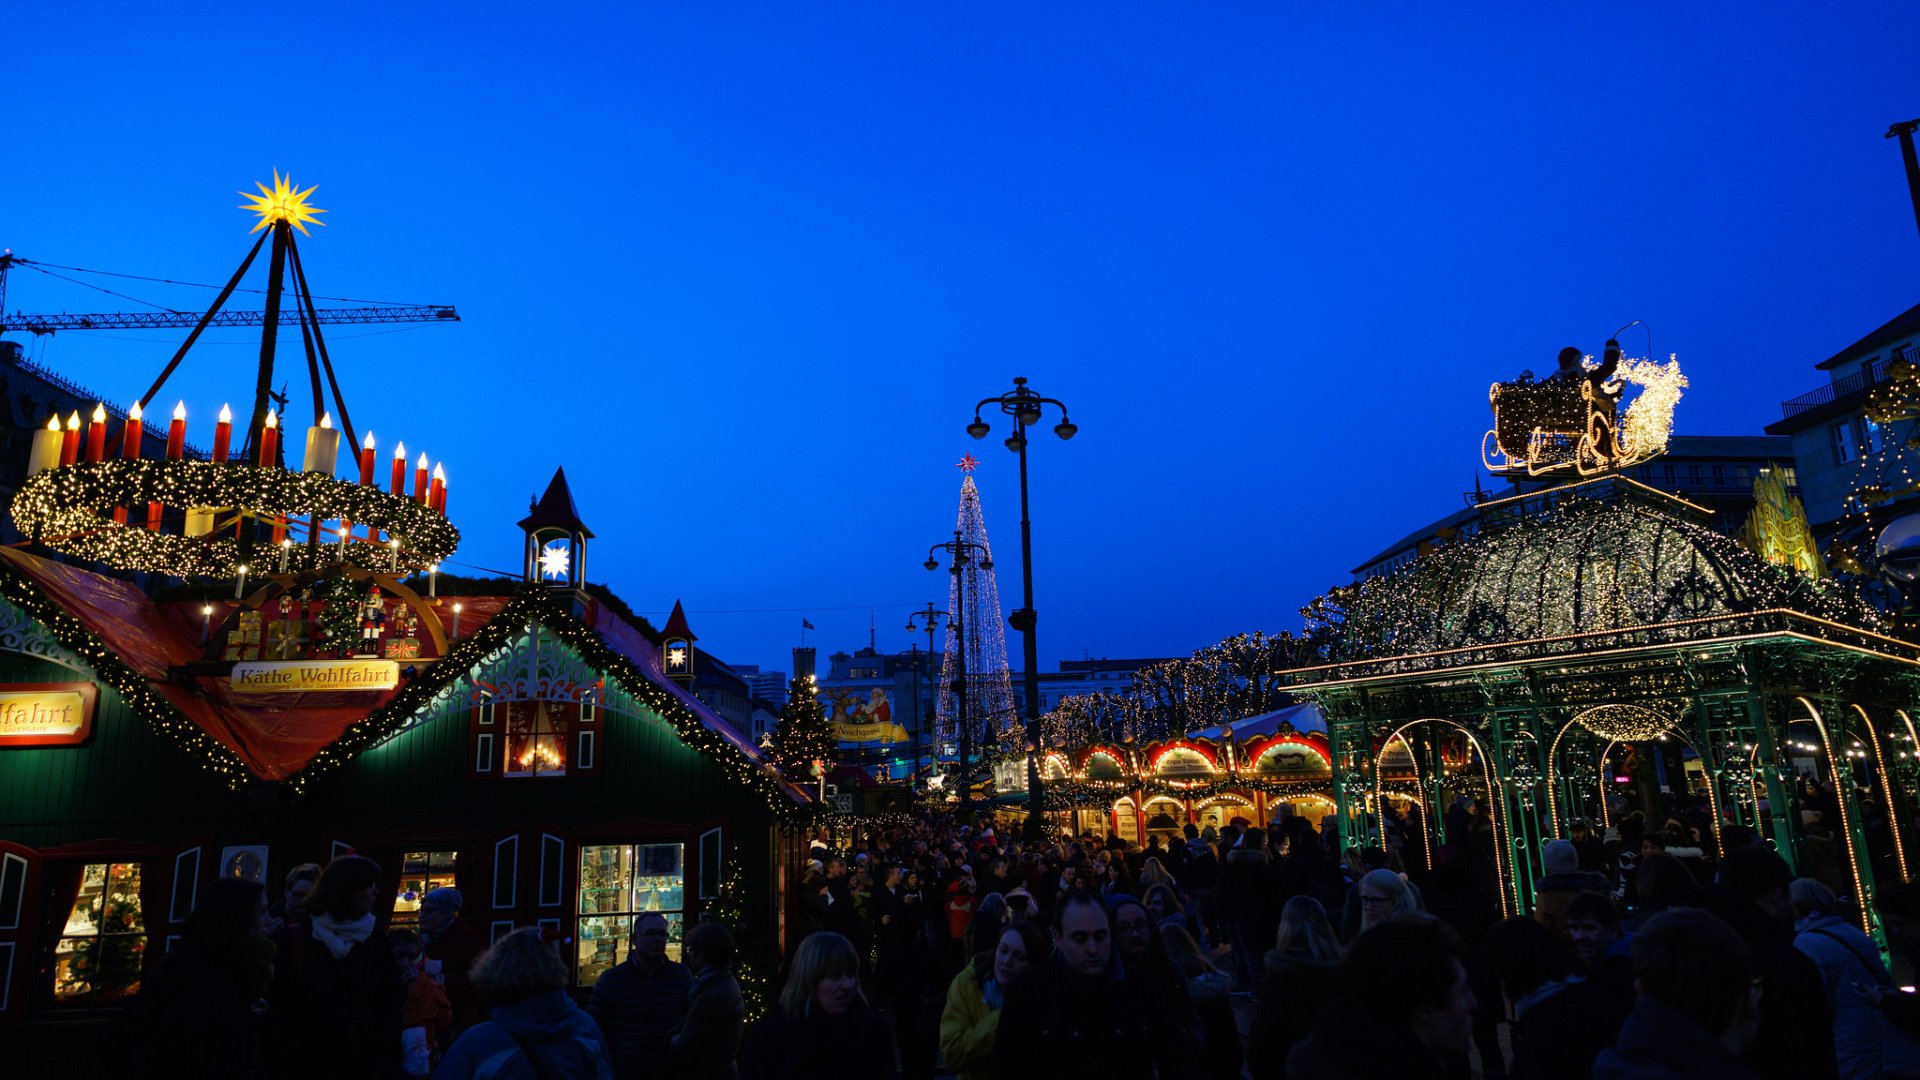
[733, 910]
[801, 735]
[974, 596]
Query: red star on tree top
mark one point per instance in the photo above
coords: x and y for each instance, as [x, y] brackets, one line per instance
[966, 464]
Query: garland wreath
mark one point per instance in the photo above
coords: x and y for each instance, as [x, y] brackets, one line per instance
[70, 510]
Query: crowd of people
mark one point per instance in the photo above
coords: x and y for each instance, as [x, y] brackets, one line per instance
[935, 947]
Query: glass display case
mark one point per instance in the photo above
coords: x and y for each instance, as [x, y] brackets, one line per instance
[98, 957]
[421, 872]
[619, 882]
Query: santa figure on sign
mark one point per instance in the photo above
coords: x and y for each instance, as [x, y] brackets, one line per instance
[373, 621]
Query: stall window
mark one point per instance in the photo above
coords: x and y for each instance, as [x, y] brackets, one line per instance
[617, 883]
[98, 956]
[421, 872]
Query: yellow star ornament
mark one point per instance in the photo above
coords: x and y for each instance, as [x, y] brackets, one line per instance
[281, 203]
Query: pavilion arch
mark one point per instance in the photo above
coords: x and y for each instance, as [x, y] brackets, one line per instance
[1055, 766]
[1239, 805]
[1183, 758]
[1496, 804]
[1843, 795]
[1654, 726]
[1102, 763]
[1886, 787]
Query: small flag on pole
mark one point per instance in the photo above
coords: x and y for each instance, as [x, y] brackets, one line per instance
[804, 624]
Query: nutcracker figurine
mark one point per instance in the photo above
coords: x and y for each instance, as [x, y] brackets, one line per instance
[373, 620]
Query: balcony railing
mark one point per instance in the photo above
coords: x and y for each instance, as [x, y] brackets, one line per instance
[1871, 374]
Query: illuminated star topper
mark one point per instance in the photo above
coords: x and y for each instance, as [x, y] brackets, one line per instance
[966, 464]
[555, 560]
[282, 202]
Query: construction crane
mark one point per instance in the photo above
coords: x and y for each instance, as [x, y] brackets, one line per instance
[161, 320]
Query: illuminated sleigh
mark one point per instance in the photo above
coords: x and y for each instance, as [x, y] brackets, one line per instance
[1551, 426]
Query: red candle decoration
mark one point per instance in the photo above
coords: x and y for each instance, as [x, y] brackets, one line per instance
[131, 434]
[366, 461]
[223, 434]
[97, 434]
[437, 494]
[269, 439]
[420, 479]
[70, 442]
[177, 433]
[279, 528]
[399, 468]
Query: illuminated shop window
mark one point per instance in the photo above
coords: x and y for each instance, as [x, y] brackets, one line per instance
[99, 954]
[619, 882]
[421, 872]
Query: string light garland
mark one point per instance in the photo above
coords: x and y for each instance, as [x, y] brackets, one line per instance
[70, 509]
[536, 605]
[1626, 723]
[134, 689]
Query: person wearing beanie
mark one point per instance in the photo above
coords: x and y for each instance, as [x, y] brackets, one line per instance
[1562, 882]
[454, 944]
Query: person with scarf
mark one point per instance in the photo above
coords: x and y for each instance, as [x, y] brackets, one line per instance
[199, 1012]
[336, 999]
[822, 1027]
[977, 995]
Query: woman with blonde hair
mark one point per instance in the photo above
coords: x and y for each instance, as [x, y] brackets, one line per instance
[1385, 895]
[1299, 977]
[821, 1027]
[533, 1028]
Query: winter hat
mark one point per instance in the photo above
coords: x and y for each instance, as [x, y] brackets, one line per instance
[1561, 858]
[445, 899]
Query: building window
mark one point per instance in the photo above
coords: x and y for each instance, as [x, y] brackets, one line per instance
[1871, 436]
[1790, 476]
[1842, 437]
[98, 957]
[1671, 474]
[421, 872]
[537, 738]
[619, 882]
[1693, 476]
[1719, 476]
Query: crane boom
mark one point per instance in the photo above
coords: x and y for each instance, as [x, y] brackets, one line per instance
[160, 320]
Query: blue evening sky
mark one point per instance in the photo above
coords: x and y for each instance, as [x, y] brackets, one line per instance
[744, 270]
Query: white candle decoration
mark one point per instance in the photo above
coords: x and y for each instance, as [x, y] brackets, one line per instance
[240, 583]
[44, 454]
[456, 620]
[206, 622]
[323, 447]
[433, 580]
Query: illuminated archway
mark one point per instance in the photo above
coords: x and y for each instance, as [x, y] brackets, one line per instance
[1886, 790]
[1841, 798]
[1496, 805]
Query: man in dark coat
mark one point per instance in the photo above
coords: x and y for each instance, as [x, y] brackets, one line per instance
[708, 1040]
[1407, 1009]
[640, 1003]
[1795, 1039]
[1697, 1006]
[1080, 1014]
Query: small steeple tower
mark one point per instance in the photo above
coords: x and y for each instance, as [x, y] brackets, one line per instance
[556, 539]
[676, 646]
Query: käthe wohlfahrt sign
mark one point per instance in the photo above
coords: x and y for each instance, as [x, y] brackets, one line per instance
[313, 676]
[46, 714]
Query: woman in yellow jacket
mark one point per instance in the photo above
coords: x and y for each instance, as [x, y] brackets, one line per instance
[972, 1015]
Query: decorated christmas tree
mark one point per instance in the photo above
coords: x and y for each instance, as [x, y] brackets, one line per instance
[729, 909]
[802, 736]
[974, 594]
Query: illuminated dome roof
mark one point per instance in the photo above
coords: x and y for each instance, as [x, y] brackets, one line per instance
[1585, 567]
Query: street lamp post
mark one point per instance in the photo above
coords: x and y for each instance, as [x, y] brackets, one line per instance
[961, 551]
[931, 616]
[1026, 406]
